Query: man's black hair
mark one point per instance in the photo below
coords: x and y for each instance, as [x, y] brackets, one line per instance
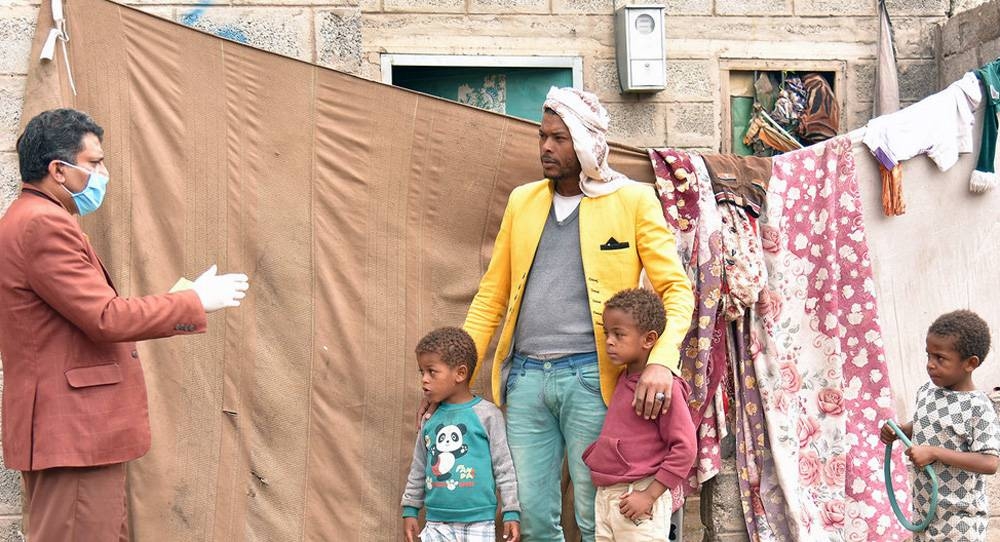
[56, 134]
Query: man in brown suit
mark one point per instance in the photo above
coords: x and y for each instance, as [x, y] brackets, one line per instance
[74, 398]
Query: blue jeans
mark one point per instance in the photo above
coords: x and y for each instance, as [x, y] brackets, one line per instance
[553, 407]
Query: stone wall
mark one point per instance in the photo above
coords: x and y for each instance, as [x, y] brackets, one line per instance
[350, 35]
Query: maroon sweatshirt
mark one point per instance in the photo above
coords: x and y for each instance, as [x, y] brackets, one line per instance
[631, 448]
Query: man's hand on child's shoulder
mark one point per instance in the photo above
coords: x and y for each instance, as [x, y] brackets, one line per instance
[511, 531]
[425, 411]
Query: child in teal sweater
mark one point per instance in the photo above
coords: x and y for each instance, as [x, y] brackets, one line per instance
[461, 456]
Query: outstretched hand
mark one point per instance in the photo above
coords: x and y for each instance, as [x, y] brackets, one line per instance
[220, 291]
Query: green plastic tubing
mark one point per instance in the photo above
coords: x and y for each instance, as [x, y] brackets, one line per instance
[892, 495]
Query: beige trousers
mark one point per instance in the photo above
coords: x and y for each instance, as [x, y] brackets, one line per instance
[612, 526]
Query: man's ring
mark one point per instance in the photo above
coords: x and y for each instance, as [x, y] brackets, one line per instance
[660, 396]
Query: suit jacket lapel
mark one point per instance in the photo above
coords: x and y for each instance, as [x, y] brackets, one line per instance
[90, 249]
[536, 212]
[95, 258]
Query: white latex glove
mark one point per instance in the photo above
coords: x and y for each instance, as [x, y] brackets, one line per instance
[220, 291]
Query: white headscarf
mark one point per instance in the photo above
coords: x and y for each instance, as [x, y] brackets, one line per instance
[587, 121]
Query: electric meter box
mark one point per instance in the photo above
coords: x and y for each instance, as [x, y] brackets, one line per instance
[641, 48]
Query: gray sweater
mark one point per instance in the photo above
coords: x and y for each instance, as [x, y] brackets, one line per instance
[555, 312]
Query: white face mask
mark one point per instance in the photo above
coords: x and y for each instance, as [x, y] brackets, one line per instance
[90, 198]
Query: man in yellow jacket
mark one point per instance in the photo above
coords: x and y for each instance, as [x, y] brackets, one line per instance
[566, 244]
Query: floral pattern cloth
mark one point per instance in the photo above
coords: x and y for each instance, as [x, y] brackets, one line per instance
[744, 272]
[820, 366]
[764, 504]
[688, 203]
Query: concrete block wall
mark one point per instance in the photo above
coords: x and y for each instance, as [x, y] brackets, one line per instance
[350, 35]
[17, 25]
[967, 41]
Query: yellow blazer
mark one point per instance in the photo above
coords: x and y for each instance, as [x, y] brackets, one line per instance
[631, 215]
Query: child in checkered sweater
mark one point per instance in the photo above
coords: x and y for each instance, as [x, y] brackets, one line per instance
[955, 430]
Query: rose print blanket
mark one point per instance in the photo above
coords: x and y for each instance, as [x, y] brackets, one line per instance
[818, 359]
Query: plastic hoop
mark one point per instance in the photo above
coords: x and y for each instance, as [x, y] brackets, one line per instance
[932, 510]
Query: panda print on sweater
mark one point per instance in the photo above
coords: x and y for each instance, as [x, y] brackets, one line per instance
[448, 446]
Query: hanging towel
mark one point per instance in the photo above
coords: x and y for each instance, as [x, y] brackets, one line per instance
[678, 189]
[985, 177]
[940, 126]
[886, 78]
[765, 506]
[821, 369]
[892, 190]
[744, 273]
[740, 187]
[692, 214]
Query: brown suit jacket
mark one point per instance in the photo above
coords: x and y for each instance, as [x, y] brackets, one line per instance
[73, 389]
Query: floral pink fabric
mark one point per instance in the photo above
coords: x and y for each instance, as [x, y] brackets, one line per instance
[820, 367]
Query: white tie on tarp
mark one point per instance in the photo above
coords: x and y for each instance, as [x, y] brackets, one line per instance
[58, 33]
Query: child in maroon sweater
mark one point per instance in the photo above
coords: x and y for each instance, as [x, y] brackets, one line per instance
[635, 460]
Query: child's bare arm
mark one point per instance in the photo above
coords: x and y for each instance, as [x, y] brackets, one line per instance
[655, 489]
[907, 429]
[969, 461]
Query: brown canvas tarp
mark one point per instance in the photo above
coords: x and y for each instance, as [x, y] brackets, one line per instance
[363, 214]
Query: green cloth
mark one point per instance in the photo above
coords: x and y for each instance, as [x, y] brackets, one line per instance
[741, 111]
[989, 75]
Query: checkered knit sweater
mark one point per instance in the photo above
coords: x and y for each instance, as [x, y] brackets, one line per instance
[963, 421]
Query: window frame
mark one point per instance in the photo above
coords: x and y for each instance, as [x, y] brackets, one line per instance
[575, 63]
[726, 65]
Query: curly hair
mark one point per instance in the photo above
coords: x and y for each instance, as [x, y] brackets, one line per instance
[644, 306]
[453, 345]
[972, 335]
